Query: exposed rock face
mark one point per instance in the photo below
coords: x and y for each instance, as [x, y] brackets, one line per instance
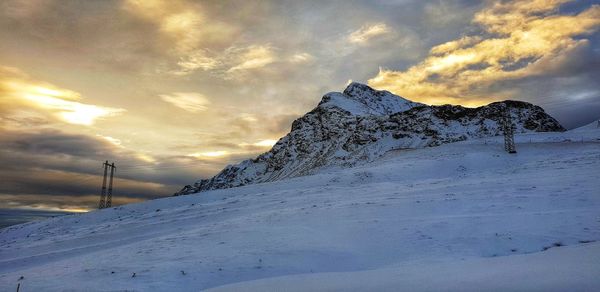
[362, 124]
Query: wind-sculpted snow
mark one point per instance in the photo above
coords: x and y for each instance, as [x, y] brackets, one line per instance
[362, 124]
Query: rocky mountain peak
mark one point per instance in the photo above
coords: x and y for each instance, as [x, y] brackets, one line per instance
[361, 124]
[362, 100]
[359, 90]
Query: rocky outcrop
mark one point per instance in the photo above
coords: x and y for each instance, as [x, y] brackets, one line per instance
[361, 124]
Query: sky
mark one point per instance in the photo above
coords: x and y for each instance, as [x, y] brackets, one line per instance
[174, 90]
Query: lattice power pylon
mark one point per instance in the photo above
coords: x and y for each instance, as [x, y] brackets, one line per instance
[509, 133]
[103, 192]
[106, 197]
[110, 186]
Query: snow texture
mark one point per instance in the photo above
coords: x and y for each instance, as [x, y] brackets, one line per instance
[463, 216]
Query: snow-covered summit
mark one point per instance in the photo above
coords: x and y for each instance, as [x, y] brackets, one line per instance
[360, 99]
[361, 124]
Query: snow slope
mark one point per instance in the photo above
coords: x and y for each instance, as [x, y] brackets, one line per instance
[593, 126]
[461, 216]
[564, 269]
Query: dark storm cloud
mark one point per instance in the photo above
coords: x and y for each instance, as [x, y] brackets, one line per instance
[567, 89]
[53, 163]
[55, 142]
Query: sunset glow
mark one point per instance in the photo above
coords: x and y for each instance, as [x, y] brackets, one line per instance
[173, 91]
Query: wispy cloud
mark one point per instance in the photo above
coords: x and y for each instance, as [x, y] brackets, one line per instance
[197, 60]
[253, 57]
[112, 140]
[187, 29]
[299, 58]
[189, 101]
[368, 32]
[185, 23]
[231, 63]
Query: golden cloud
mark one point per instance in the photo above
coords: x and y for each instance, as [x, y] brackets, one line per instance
[525, 38]
[187, 29]
[253, 57]
[19, 91]
[191, 37]
[112, 140]
[367, 32]
[197, 60]
[455, 45]
[301, 58]
[189, 101]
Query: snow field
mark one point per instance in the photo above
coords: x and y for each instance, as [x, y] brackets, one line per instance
[461, 216]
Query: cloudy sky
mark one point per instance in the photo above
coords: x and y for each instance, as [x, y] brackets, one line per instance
[174, 90]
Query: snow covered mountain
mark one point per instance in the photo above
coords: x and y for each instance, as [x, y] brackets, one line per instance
[361, 124]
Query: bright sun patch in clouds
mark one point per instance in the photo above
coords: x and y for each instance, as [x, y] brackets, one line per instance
[189, 101]
[367, 32]
[526, 38]
[18, 88]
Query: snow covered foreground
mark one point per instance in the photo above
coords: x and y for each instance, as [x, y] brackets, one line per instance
[462, 216]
